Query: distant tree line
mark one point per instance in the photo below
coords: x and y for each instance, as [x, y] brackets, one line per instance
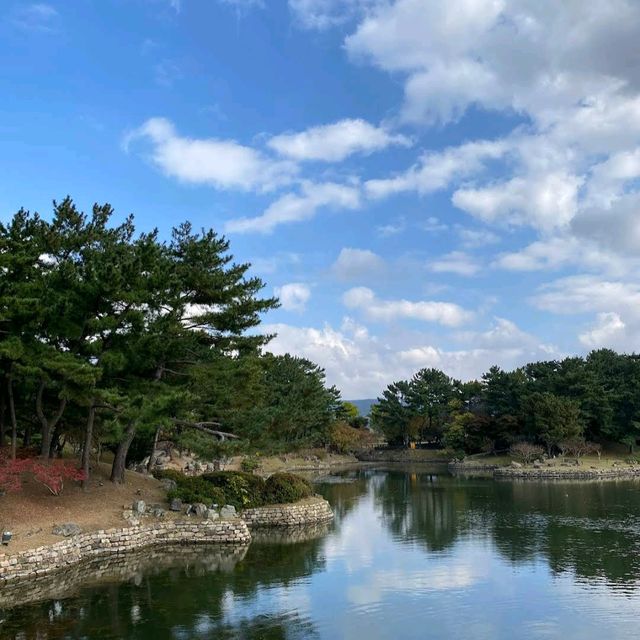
[562, 405]
[110, 339]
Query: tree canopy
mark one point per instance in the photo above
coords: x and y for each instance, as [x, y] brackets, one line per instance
[108, 336]
[596, 398]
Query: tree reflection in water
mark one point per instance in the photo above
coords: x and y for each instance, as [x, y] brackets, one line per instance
[410, 549]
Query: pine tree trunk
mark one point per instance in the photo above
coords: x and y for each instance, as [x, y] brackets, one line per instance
[14, 422]
[3, 407]
[120, 460]
[152, 454]
[48, 426]
[26, 436]
[88, 440]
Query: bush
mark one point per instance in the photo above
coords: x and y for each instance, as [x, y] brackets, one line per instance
[242, 490]
[526, 452]
[196, 490]
[346, 439]
[192, 489]
[286, 487]
[250, 464]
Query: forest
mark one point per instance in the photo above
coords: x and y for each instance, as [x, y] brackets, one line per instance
[575, 405]
[111, 339]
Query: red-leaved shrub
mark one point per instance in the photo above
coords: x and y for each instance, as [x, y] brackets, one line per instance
[52, 474]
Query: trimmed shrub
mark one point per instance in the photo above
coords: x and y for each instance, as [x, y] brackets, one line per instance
[242, 490]
[191, 489]
[286, 487]
[171, 474]
[250, 464]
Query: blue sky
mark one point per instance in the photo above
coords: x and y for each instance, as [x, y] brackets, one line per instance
[423, 183]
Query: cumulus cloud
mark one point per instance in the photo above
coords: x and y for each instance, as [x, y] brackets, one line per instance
[471, 238]
[457, 262]
[563, 251]
[354, 264]
[293, 296]
[616, 304]
[547, 201]
[294, 207]
[528, 55]
[606, 332]
[361, 365]
[574, 166]
[437, 170]
[224, 164]
[335, 142]
[365, 300]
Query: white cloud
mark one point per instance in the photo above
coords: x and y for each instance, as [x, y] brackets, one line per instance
[445, 313]
[224, 164]
[564, 68]
[606, 332]
[616, 304]
[354, 264]
[392, 228]
[562, 251]
[437, 170]
[583, 293]
[456, 262]
[433, 225]
[293, 296]
[295, 207]
[37, 17]
[615, 226]
[545, 202]
[335, 142]
[322, 14]
[472, 238]
[361, 365]
[526, 55]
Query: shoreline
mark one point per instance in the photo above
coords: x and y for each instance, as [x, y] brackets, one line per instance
[104, 543]
[577, 473]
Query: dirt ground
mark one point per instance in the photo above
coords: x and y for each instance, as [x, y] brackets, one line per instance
[31, 513]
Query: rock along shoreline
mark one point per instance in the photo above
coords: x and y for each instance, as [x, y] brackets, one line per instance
[41, 561]
[566, 474]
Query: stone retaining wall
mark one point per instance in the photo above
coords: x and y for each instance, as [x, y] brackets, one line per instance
[472, 466]
[289, 515]
[129, 567]
[400, 455]
[43, 560]
[576, 473]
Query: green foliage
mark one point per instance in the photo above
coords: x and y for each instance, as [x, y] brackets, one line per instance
[242, 490]
[553, 403]
[347, 411]
[192, 489]
[553, 419]
[250, 464]
[286, 487]
[345, 439]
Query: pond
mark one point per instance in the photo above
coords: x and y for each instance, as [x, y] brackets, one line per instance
[413, 553]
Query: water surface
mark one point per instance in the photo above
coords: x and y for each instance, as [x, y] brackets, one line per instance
[414, 553]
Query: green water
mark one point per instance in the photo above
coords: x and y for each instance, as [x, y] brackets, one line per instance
[412, 554]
